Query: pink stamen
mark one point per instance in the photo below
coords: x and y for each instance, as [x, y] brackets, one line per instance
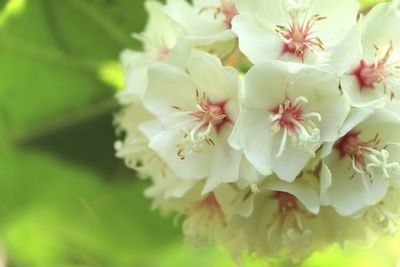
[351, 146]
[229, 10]
[287, 203]
[299, 37]
[164, 52]
[368, 75]
[211, 112]
[210, 116]
[289, 113]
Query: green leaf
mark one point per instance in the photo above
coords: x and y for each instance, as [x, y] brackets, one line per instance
[53, 56]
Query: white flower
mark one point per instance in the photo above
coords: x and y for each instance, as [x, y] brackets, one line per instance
[280, 225]
[362, 161]
[134, 148]
[206, 21]
[159, 37]
[205, 221]
[375, 73]
[281, 158]
[294, 30]
[171, 194]
[288, 111]
[197, 109]
[383, 218]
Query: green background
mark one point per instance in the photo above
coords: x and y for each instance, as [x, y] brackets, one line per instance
[65, 200]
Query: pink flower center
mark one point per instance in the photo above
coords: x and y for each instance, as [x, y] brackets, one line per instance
[299, 37]
[164, 52]
[210, 201]
[369, 75]
[212, 209]
[288, 115]
[287, 203]
[211, 112]
[366, 158]
[227, 9]
[209, 116]
[357, 150]
[295, 123]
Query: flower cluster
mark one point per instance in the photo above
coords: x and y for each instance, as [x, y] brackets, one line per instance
[272, 126]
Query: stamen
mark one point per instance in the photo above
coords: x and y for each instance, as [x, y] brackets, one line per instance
[283, 143]
[299, 36]
[296, 124]
[366, 157]
[226, 8]
[288, 213]
[379, 72]
[209, 117]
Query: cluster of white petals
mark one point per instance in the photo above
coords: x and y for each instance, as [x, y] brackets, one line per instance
[269, 126]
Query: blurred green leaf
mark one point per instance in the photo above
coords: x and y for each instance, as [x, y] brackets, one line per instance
[52, 53]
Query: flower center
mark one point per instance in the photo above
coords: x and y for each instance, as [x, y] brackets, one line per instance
[383, 219]
[287, 203]
[164, 52]
[210, 202]
[369, 75]
[290, 117]
[227, 9]
[299, 36]
[205, 220]
[366, 157]
[210, 116]
[288, 221]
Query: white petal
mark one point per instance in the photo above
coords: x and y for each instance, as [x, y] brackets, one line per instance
[150, 128]
[190, 20]
[351, 46]
[351, 195]
[301, 189]
[267, 12]
[179, 54]
[265, 85]
[367, 98]
[380, 29]
[256, 41]
[160, 28]
[206, 70]
[289, 165]
[168, 87]
[225, 162]
[326, 182]
[232, 204]
[323, 97]
[341, 14]
[356, 117]
[252, 134]
[248, 175]
[195, 166]
[135, 83]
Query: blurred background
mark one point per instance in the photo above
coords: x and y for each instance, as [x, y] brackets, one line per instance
[65, 200]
